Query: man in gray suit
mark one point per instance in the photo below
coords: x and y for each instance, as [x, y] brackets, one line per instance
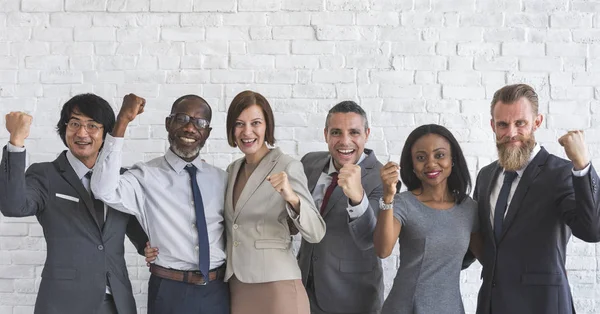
[342, 273]
[85, 269]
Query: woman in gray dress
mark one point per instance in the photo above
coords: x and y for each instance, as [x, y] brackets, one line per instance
[435, 222]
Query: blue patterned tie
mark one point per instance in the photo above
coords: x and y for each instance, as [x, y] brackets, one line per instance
[204, 251]
[502, 202]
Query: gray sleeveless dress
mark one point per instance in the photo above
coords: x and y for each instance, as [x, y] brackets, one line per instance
[432, 246]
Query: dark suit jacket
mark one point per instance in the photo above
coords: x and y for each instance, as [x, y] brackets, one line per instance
[525, 271]
[347, 274]
[80, 258]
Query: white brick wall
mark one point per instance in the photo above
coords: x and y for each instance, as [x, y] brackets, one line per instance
[408, 62]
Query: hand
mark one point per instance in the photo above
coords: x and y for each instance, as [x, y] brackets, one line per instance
[349, 180]
[131, 108]
[576, 149]
[151, 253]
[390, 177]
[18, 125]
[281, 184]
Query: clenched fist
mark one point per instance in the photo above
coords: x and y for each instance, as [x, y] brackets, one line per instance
[349, 180]
[18, 125]
[281, 184]
[575, 148]
[132, 107]
[390, 178]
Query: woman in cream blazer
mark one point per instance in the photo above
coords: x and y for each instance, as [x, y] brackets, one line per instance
[265, 190]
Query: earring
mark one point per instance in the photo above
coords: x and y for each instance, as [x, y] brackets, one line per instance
[452, 164]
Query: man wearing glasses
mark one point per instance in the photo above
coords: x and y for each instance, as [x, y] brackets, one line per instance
[85, 266]
[178, 199]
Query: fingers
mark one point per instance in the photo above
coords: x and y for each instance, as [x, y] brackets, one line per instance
[150, 253]
[571, 136]
[278, 181]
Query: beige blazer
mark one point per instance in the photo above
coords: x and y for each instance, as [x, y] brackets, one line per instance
[259, 244]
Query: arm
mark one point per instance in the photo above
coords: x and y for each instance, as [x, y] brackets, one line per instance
[122, 192]
[388, 227]
[476, 246]
[136, 235]
[308, 221]
[21, 194]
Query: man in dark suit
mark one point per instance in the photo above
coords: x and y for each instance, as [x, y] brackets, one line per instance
[530, 202]
[342, 273]
[85, 269]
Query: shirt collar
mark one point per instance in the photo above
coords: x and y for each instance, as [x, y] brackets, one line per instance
[178, 164]
[77, 165]
[332, 167]
[534, 152]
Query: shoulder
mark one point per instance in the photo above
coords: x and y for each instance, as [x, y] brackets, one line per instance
[314, 156]
[220, 173]
[469, 203]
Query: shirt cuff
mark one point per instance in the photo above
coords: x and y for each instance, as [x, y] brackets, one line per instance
[14, 149]
[583, 172]
[113, 144]
[291, 212]
[358, 210]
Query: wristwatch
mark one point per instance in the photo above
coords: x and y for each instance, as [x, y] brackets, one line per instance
[384, 206]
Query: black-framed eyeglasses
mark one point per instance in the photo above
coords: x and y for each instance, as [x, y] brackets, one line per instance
[183, 119]
[91, 128]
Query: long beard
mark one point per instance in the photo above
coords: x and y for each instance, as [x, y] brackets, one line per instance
[515, 158]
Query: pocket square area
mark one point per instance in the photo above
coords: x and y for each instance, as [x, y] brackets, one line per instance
[68, 197]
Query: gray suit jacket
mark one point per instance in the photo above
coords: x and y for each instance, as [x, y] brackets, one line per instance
[525, 271]
[347, 276]
[81, 259]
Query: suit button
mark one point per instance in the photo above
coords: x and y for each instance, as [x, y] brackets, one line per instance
[235, 226]
[236, 243]
[493, 284]
[315, 258]
[100, 247]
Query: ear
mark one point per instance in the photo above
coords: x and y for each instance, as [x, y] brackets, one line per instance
[493, 125]
[367, 133]
[167, 124]
[325, 134]
[538, 121]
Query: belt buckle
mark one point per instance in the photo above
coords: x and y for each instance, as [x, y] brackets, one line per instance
[203, 282]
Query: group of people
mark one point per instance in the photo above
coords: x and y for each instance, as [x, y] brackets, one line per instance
[220, 242]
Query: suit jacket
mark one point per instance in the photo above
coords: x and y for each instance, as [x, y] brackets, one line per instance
[525, 271]
[81, 258]
[347, 276]
[259, 246]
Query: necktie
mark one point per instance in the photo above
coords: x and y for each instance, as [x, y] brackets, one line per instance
[330, 188]
[98, 205]
[502, 202]
[204, 250]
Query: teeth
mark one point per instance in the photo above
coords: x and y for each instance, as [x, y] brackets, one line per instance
[247, 141]
[345, 151]
[187, 140]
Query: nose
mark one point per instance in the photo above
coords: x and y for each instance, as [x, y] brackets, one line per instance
[246, 129]
[512, 131]
[189, 127]
[345, 138]
[81, 132]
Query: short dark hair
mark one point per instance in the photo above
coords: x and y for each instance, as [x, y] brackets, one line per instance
[192, 96]
[242, 101]
[346, 107]
[459, 181]
[90, 105]
[511, 93]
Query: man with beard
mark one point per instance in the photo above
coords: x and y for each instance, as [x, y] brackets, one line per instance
[178, 199]
[342, 273]
[530, 202]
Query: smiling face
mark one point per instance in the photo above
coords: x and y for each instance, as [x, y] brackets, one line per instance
[346, 137]
[432, 160]
[514, 125]
[186, 140]
[83, 144]
[250, 130]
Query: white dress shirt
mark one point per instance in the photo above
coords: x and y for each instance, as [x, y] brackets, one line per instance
[159, 194]
[324, 182]
[499, 181]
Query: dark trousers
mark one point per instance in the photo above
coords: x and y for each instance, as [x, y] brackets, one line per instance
[174, 297]
[108, 305]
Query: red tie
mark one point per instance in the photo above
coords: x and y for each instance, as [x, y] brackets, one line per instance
[330, 188]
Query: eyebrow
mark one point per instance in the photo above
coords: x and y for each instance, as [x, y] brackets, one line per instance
[72, 117]
[435, 150]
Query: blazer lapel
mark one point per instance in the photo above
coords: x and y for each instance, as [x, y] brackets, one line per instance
[256, 178]
[232, 177]
[485, 201]
[315, 173]
[530, 173]
[67, 172]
